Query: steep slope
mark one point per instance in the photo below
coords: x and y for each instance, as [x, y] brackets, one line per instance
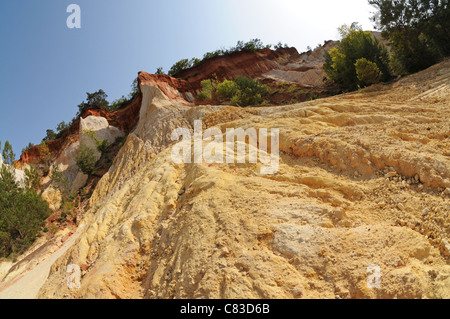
[362, 192]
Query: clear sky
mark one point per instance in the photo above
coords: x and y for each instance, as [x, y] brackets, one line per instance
[47, 68]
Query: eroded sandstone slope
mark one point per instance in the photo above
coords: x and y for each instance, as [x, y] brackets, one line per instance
[363, 184]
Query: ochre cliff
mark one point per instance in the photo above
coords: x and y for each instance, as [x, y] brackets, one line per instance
[362, 191]
[125, 119]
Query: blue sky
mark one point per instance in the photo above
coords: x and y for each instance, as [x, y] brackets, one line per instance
[47, 68]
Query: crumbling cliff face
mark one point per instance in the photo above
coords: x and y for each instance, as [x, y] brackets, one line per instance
[282, 65]
[359, 207]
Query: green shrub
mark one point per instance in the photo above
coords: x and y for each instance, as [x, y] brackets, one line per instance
[60, 181]
[202, 96]
[32, 179]
[103, 146]
[5, 244]
[117, 104]
[86, 160]
[242, 92]
[280, 45]
[241, 46]
[63, 217]
[367, 72]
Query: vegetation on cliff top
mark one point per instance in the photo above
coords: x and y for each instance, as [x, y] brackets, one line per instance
[418, 31]
[418, 34]
[243, 91]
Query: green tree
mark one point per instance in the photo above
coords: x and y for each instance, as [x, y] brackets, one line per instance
[243, 91]
[102, 145]
[354, 45]
[8, 153]
[7, 180]
[249, 92]
[418, 31]
[61, 128]
[32, 180]
[209, 88]
[96, 100]
[86, 160]
[250, 46]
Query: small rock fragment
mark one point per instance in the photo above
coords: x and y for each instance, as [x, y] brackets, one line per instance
[391, 174]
